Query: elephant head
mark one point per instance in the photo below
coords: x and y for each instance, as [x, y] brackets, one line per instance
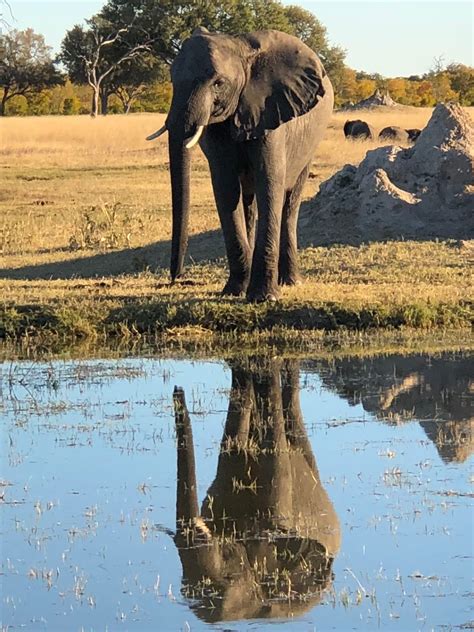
[266, 536]
[254, 82]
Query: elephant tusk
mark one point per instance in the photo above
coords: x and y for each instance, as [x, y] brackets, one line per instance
[161, 131]
[202, 526]
[195, 138]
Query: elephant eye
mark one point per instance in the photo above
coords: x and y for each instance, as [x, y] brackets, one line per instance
[218, 83]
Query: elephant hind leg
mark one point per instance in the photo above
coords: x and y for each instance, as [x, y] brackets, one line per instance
[288, 270]
[250, 206]
[250, 211]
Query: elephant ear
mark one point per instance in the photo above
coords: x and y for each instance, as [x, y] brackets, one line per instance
[285, 80]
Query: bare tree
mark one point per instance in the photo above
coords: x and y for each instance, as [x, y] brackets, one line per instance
[128, 94]
[5, 8]
[93, 55]
[438, 65]
[135, 76]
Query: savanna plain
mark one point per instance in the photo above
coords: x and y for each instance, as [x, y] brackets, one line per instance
[85, 240]
[175, 460]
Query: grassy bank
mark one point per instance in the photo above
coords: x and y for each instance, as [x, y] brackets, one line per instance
[84, 244]
[423, 286]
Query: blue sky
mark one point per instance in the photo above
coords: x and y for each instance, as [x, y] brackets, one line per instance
[392, 37]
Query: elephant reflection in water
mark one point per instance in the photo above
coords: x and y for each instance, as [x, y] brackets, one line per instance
[266, 536]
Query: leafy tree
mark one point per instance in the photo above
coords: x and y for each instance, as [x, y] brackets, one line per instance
[411, 92]
[155, 98]
[365, 88]
[425, 93]
[172, 21]
[439, 79]
[92, 55]
[309, 29]
[169, 22]
[39, 103]
[346, 92]
[441, 87]
[71, 105]
[18, 106]
[398, 89]
[25, 65]
[462, 82]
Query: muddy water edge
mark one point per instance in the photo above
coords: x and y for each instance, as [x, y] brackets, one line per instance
[188, 494]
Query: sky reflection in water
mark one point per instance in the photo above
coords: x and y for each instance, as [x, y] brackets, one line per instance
[339, 494]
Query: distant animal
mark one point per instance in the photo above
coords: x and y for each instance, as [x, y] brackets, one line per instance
[358, 130]
[394, 133]
[413, 134]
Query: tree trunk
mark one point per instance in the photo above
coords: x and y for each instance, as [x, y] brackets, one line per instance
[129, 105]
[95, 102]
[104, 101]
[123, 99]
[3, 102]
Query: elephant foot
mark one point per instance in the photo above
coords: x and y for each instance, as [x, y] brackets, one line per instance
[290, 279]
[234, 288]
[260, 296]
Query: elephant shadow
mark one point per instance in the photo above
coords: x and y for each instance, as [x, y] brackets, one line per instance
[128, 261]
[265, 539]
[156, 256]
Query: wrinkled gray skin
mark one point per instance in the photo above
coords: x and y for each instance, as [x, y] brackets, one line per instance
[267, 484]
[358, 129]
[265, 101]
[394, 133]
[413, 134]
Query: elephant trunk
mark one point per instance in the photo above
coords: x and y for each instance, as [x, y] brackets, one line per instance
[180, 174]
[187, 509]
[189, 114]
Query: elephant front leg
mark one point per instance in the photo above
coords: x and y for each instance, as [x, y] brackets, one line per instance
[226, 186]
[270, 192]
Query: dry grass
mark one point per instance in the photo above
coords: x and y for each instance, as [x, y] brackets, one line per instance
[58, 169]
[86, 199]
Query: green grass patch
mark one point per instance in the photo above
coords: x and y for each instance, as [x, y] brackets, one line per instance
[371, 289]
[119, 318]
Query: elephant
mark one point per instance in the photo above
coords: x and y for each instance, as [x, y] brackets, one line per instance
[359, 130]
[265, 539]
[394, 133]
[258, 104]
[413, 134]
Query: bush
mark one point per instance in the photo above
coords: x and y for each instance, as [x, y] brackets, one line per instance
[39, 103]
[17, 106]
[156, 98]
[71, 105]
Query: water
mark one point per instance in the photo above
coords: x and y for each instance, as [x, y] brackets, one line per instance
[329, 494]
